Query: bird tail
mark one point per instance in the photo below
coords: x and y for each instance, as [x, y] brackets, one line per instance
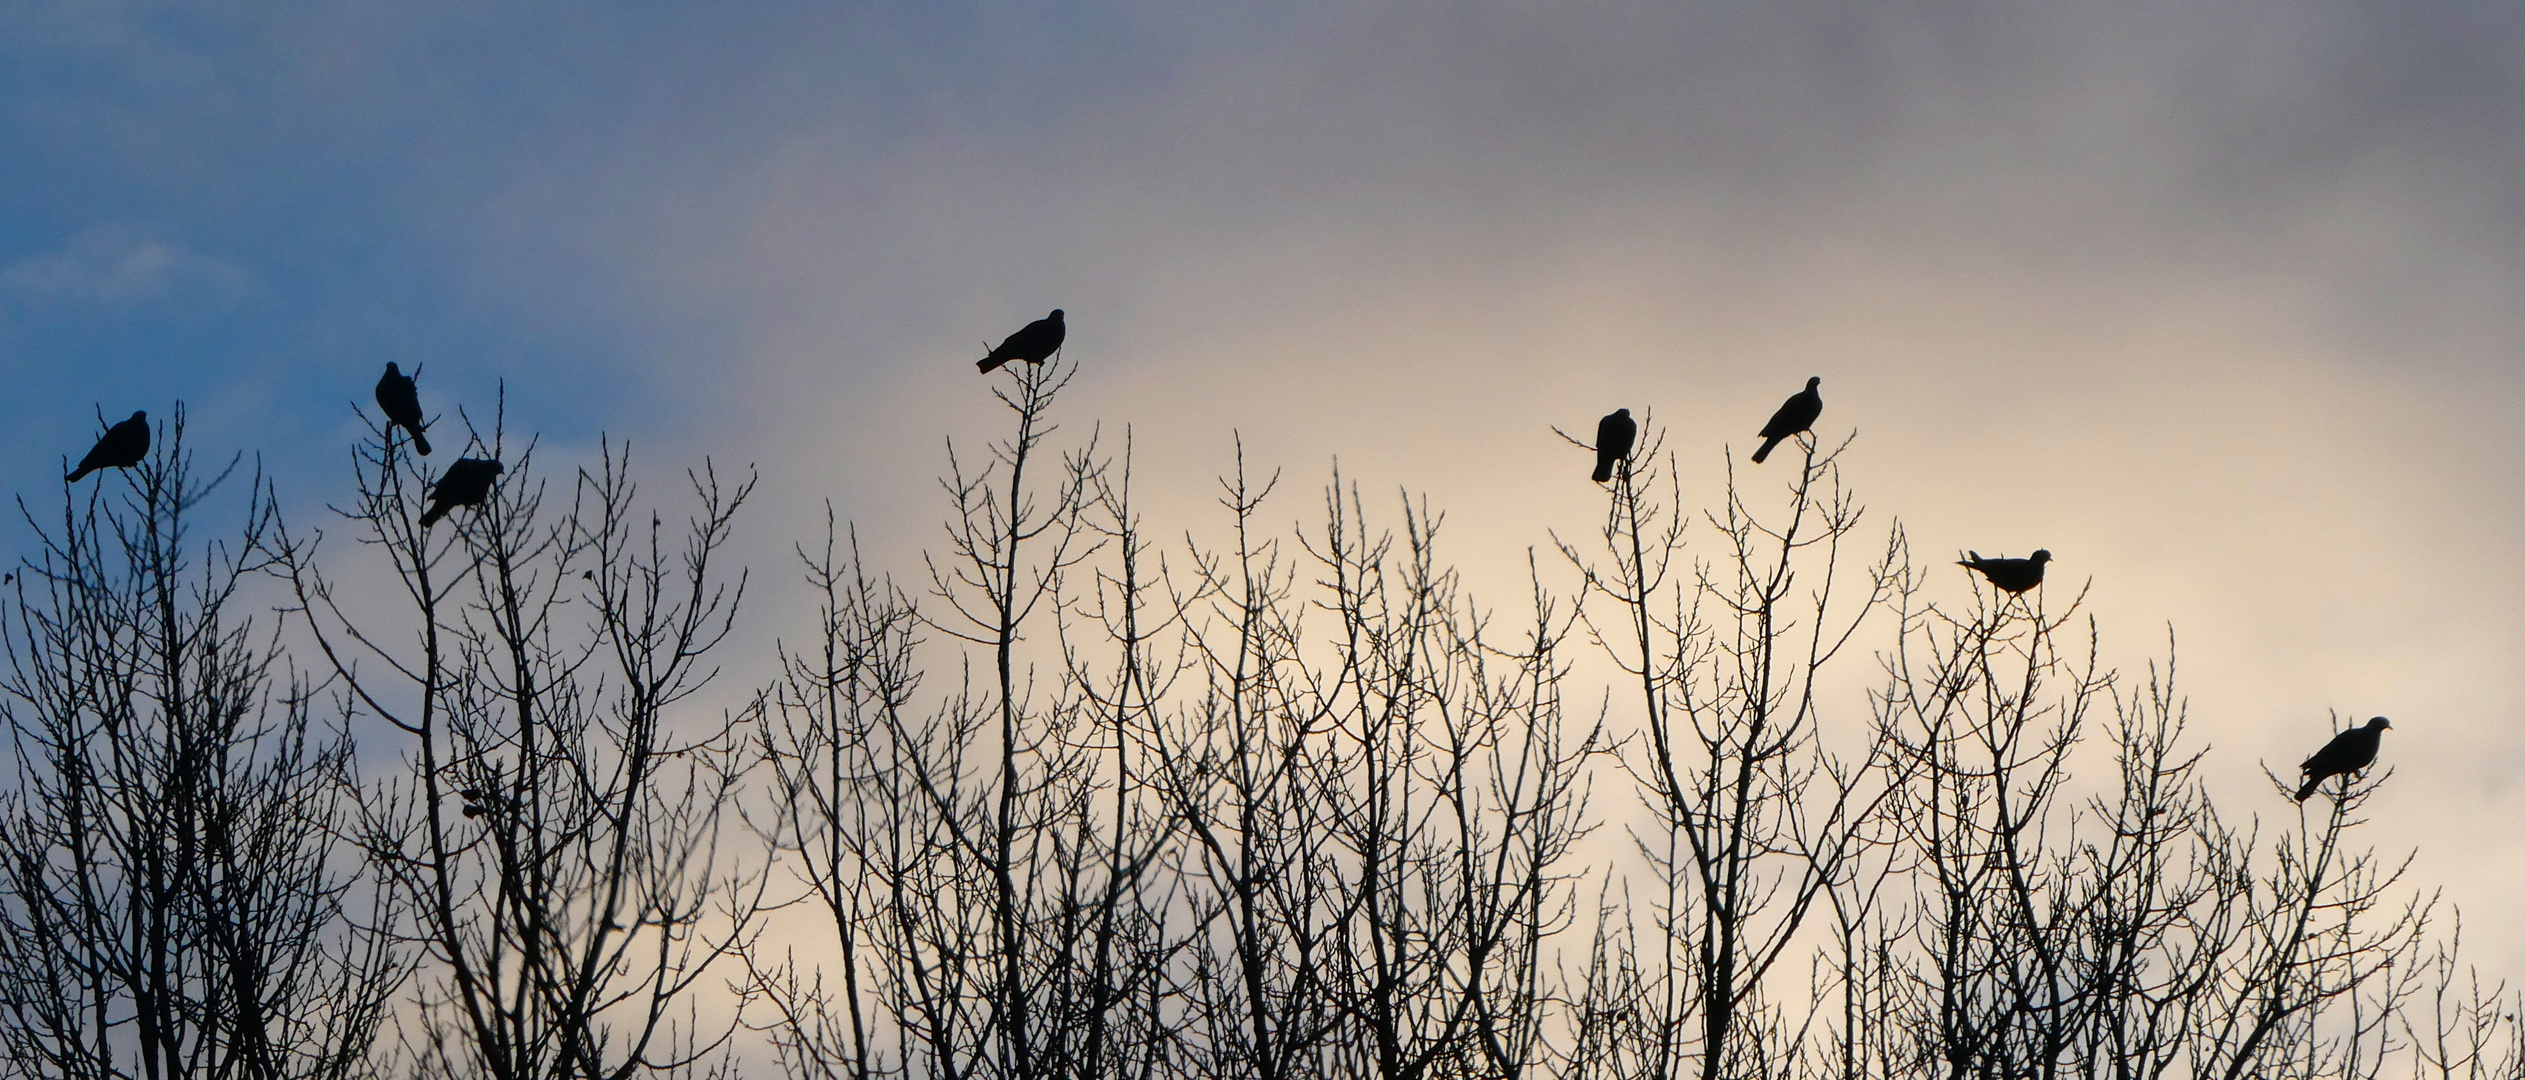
[430, 516]
[1604, 471]
[79, 475]
[990, 364]
[420, 442]
[1765, 450]
[2312, 782]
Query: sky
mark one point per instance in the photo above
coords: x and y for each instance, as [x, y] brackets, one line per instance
[2218, 301]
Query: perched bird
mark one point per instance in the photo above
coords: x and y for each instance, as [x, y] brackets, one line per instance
[1796, 414]
[479, 801]
[402, 405]
[1037, 342]
[2011, 575]
[1614, 435]
[122, 447]
[465, 483]
[2348, 752]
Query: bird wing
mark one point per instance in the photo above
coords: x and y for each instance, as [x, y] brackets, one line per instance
[1038, 340]
[1796, 414]
[125, 443]
[1614, 434]
[464, 481]
[400, 399]
[1006, 349]
[2335, 755]
[1784, 422]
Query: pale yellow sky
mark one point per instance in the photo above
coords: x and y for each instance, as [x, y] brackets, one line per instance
[2196, 309]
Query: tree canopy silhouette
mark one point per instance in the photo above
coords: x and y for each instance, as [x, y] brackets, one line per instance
[1110, 797]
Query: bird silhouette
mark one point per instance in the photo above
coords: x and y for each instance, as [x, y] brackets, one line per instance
[2011, 575]
[1038, 341]
[401, 403]
[465, 483]
[121, 447]
[482, 800]
[2348, 752]
[1796, 414]
[1614, 435]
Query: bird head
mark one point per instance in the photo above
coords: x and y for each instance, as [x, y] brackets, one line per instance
[497, 468]
[1056, 315]
[140, 416]
[1813, 381]
[2040, 557]
[1623, 413]
[391, 369]
[2379, 723]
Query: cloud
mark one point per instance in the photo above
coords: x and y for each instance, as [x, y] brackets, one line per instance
[122, 265]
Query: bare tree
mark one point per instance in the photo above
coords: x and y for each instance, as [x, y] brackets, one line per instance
[982, 858]
[2468, 1029]
[178, 898]
[826, 739]
[1120, 655]
[557, 826]
[1044, 840]
[2131, 931]
[1451, 792]
[1270, 805]
[1752, 820]
[1204, 843]
[1256, 987]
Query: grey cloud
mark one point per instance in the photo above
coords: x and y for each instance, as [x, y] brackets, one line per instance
[124, 264]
